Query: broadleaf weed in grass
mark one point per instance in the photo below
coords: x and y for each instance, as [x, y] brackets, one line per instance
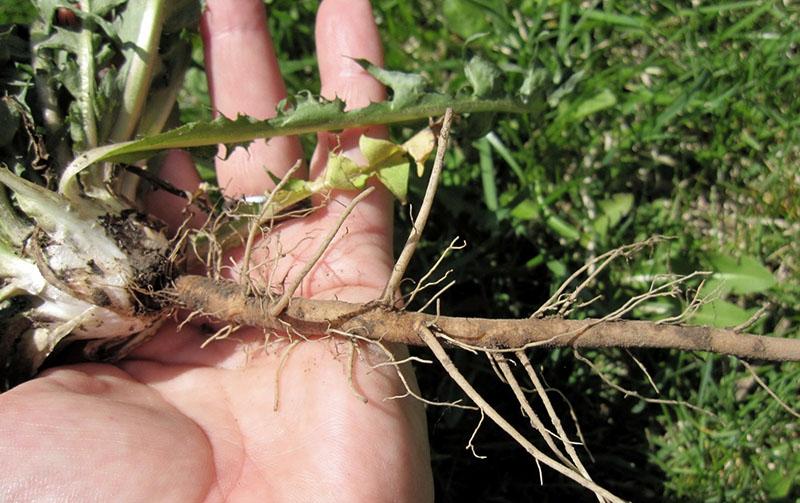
[692, 111]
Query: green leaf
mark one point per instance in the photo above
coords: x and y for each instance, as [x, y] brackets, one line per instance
[305, 118]
[380, 152]
[390, 162]
[566, 88]
[721, 314]
[343, 173]
[779, 483]
[533, 81]
[526, 210]
[102, 7]
[742, 276]
[61, 39]
[605, 99]
[465, 18]
[613, 210]
[407, 87]
[563, 228]
[483, 76]
[395, 178]
[293, 191]
[557, 267]
[616, 19]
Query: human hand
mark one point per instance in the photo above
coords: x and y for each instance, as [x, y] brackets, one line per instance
[175, 422]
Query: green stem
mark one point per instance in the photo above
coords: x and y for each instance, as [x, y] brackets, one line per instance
[87, 79]
[140, 71]
[161, 102]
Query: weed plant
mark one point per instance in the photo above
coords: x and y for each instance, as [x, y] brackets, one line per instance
[665, 117]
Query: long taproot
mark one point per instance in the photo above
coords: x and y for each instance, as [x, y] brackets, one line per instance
[227, 301]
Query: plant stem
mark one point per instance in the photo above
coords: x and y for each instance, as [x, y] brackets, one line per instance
[400, 266]
[140, 70]
[160, 103]
[51, 113]
[87, 79]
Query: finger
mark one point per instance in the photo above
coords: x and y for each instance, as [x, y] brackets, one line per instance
[361, 255]
[358, 261]
[244, 78]
[177, 170]
[346, 30]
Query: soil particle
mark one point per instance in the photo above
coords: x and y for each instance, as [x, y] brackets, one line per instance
[152, 271]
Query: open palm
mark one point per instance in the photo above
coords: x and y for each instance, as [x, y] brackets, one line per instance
[179, 423]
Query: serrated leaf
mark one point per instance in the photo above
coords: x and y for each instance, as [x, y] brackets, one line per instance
[742, 276]
[343, 173]
[407, 87]
[420, 146]
[306, 107]
[61, 39]
[308, 118]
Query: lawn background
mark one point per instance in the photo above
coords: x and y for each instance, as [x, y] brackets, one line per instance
[661, 117]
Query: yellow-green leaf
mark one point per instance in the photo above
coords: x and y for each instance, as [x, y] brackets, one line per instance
[389, 162]
[343, 173]
[420, 147]
[379, 152]
[395, 178]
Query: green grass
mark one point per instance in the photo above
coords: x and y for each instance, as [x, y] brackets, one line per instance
[657, 118]
[654, 118]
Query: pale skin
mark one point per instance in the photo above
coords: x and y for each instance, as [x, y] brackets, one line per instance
[175, 422]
